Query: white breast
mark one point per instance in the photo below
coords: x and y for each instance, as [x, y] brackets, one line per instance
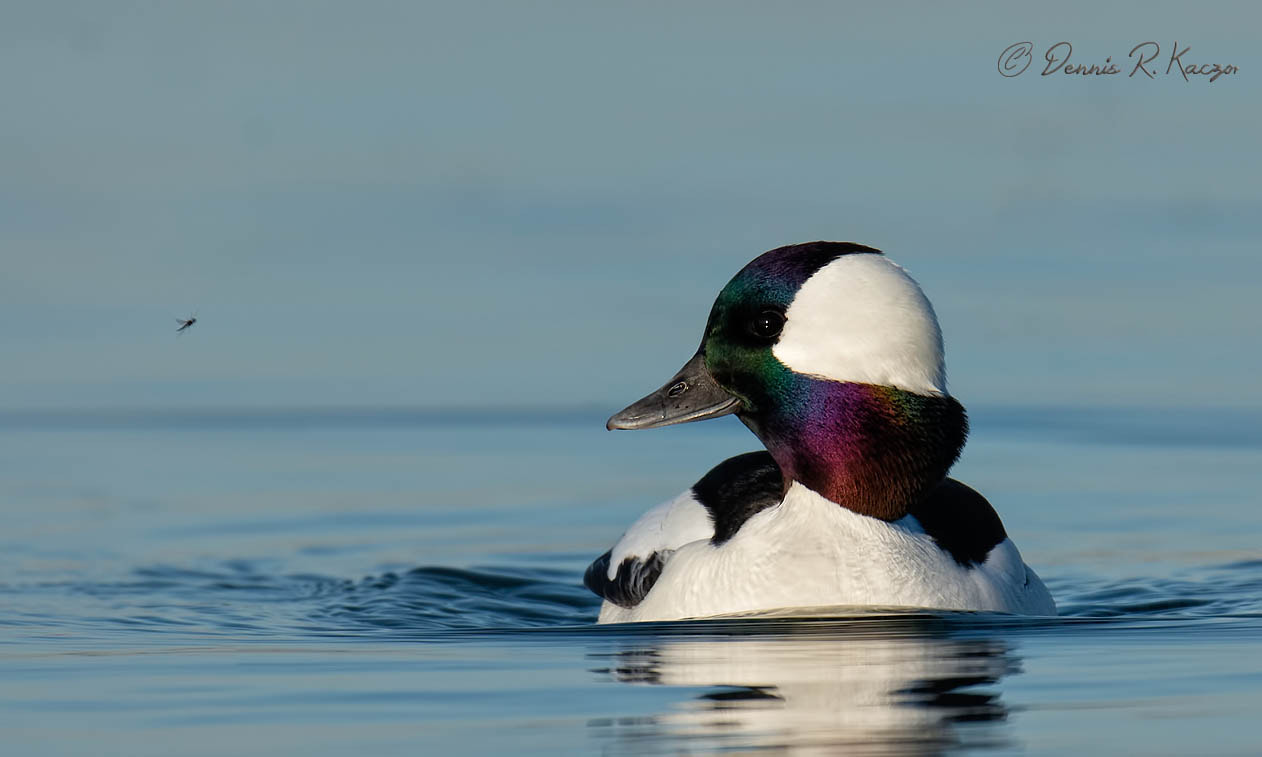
[809, 551]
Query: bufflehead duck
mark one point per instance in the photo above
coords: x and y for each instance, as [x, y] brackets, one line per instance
[831, 354]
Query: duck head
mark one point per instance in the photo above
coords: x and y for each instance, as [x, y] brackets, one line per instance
[831, 354]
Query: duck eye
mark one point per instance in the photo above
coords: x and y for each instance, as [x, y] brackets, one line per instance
[767, 324]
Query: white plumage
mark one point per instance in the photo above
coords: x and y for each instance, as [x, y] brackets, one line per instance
[807, 551]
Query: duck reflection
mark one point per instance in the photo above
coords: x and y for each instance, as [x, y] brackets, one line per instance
[874, 688]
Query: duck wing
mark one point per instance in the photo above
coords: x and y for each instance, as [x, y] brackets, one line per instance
[712, 510]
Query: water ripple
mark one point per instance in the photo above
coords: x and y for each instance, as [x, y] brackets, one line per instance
[239, 599]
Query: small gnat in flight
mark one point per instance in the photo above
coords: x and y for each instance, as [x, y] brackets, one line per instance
[185, 323]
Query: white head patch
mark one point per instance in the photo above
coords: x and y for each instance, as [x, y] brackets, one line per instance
[861, 318]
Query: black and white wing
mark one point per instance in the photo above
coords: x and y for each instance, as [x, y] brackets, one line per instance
[712, 510]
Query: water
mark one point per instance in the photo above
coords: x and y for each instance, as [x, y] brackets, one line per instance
[328, 582]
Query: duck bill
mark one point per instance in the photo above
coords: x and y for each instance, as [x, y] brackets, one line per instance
[690, 395]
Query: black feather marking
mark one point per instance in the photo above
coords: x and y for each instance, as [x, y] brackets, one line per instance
[732, 492]
[633, 581]
[960, 521]
[737, 489]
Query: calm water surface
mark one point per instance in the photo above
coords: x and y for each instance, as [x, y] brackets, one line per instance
[329, 582]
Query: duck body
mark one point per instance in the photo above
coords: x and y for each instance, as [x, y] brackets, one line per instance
[832, 356]
[802, 550]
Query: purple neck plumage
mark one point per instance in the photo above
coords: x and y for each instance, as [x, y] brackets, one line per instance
[875, 450]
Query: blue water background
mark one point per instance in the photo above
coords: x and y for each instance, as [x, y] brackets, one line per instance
[319, 582]
[444, 204]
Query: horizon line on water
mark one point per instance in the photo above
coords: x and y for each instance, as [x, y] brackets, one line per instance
[1196, 426]
[292, 416]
